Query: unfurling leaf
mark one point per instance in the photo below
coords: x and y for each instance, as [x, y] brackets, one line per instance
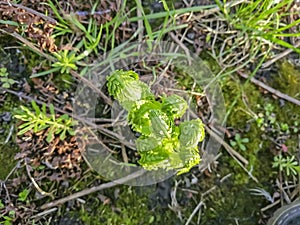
[127, 89]
[138, 116]
[174, 106]
[118, 79]
[160, 124]
[191, 133]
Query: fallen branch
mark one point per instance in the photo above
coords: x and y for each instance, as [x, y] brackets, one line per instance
[92, 190]
[270, 89]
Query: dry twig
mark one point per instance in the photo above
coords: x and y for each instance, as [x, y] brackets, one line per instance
[92, 190]
[270, 89]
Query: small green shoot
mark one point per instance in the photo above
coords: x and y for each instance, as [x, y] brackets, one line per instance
[39, 120]
[7, 219]
[23, 195]
[66, 61]
[267, 118]
[5, 82]
[239, 142]
[288, 164]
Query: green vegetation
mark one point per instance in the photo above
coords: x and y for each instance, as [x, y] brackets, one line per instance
[5, 82]
[23, 195]
[66, 61]
[239, 142]
[287, 164]
[261, 22]
[7, 219]
[162, 144]
[130, 208]
[39, 120]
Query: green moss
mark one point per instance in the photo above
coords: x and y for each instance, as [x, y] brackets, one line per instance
[130, 208]
[9, 149]
[288, 79]
[288, 82]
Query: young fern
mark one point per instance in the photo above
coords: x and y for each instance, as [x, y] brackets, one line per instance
[162, 144]
[40, 120]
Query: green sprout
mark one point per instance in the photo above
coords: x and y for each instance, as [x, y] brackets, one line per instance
[1, 204]
[23, 195]
[267, 118]
[239, 141]
[39, 120]
[5, 82]
[8, 217]
[162, 144]
[65, 62]
[287, 164]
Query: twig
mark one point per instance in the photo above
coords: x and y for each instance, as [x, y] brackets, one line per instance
[92, 190]
[235, 155]
[194, 212]
[198, 207]
[279, 56]
[30, 45]
[35, 184]
[185, 49]
[270, 89]
[9, 134]
[124, 154]
[44, 213]
[2, 185]
[292, 196]
[174, 203]
[230, 150]
[13, 170]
